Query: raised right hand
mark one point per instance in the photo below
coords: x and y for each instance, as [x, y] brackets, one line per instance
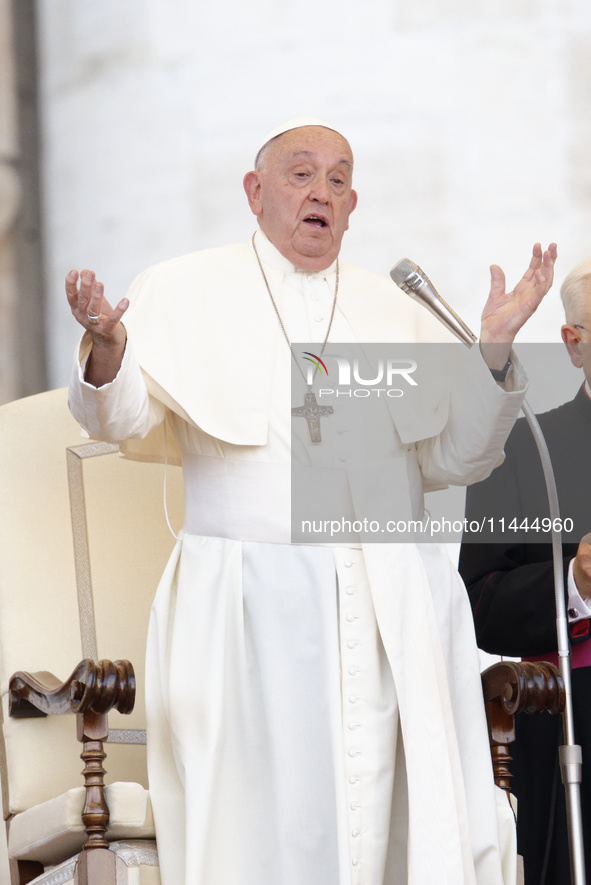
[88, 300]
[102, 322]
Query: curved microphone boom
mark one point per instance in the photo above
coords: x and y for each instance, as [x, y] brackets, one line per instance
[415, 282]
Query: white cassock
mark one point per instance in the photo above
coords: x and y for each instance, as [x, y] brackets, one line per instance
[292, 691]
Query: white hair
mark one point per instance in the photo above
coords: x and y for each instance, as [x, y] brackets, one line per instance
[262, 154]
[575, 293]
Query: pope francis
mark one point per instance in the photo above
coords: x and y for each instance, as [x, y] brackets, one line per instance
[335, 730]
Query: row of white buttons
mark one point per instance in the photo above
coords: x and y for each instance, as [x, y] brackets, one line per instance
[369, 709]
[313, 280]
[353, 671]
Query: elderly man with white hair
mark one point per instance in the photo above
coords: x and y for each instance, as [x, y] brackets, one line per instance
[314, 710]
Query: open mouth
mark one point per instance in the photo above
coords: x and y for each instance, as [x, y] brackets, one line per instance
[315, 221]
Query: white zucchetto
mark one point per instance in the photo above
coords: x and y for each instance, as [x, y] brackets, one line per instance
[296, 123]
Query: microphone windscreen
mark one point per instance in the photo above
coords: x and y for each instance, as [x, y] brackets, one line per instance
[402, 270]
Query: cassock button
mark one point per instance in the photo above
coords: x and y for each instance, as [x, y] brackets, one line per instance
[355, 861]
[354, 806]
[318, 319]
[350, 618]
[351, 643]
[353, 753]
[353, 671]
[355, 833]
[348, 563]
[350, 591]
[313, 296]
[353, 699]
[353, 780]
[352, 726]
[573, 613]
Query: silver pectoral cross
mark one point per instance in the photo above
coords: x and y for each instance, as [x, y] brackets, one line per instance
[312, 412]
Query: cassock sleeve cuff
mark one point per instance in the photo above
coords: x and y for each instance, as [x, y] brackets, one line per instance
[118, 410]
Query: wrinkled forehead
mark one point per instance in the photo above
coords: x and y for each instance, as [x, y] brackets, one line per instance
[308, 139]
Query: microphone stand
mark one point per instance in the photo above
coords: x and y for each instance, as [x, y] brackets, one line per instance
[412, 280]
[569, 754]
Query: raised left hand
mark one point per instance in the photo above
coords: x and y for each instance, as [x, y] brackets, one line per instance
[506, 312]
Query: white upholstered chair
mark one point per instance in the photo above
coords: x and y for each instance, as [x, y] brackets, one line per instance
[83, 541]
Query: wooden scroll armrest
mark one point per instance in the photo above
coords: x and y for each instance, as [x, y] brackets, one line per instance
[511, 687]
[91, 691]
[92, 687]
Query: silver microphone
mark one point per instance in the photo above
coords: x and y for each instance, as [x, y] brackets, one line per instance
[415, 282]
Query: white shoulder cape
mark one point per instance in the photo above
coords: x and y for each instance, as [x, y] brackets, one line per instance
[204, 332]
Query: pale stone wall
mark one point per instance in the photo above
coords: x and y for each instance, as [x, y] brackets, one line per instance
[22, 310]
[9, 206]
[469, 120]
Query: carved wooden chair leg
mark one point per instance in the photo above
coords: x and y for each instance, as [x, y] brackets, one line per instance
[96, 863]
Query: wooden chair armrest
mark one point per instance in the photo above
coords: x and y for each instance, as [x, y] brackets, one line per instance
[95, 687]
[511, 687]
